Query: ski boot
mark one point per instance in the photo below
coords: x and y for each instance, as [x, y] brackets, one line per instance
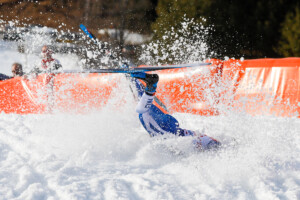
[201, 141]
[151, 81]
[204, 142]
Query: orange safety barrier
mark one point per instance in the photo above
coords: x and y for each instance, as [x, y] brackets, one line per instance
[83, 92]
[63, 92]
[259, 87]
[262, 86]
[190, 90]
[14, 98]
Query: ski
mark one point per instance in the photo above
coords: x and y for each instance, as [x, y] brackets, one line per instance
[137, 69]
[154, 68]
[87, 32]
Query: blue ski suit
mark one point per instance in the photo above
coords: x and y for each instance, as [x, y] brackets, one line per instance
[153, 119]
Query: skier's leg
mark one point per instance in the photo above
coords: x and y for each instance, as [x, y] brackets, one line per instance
[152, 125]
[147, 98]
[150, 116]
[159, 124]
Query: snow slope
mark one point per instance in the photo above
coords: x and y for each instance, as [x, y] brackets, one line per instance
[108, 155]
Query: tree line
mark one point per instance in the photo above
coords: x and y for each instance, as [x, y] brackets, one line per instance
[249, 28]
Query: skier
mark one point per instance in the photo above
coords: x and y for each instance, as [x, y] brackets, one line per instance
[155, 121]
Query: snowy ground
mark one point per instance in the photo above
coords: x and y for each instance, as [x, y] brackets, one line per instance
[108, 155]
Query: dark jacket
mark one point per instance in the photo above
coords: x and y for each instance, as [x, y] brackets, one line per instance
[4, 77]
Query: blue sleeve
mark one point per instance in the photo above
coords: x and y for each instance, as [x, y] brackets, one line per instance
[4, 77]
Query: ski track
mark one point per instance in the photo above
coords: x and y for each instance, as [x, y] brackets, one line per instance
[106, 154]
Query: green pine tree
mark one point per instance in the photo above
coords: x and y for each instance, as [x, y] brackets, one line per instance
[240, 28]
[171, 13]
[289, 45]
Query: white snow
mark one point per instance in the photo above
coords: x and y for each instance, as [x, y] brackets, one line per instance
[108, 155]
[129, 37]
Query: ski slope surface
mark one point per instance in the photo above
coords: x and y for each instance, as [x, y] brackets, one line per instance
[106, 154]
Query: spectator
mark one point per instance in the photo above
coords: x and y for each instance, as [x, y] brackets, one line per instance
[48, 63]
[16, 70]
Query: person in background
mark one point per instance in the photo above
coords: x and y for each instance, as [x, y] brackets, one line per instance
[48, 66]
[48, 63]
[16, 70]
